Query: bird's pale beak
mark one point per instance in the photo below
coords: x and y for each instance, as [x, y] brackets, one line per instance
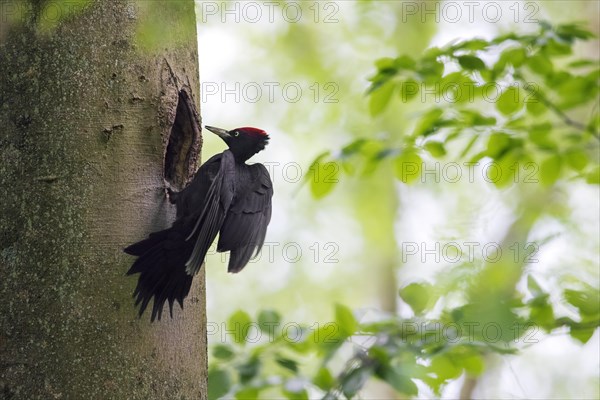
[222, 133]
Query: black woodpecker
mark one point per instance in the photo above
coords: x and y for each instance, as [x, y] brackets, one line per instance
[226, 196]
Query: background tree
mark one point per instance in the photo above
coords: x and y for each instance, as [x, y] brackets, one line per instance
[98, 111]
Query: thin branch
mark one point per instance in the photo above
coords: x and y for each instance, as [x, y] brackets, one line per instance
[516, 378]
[560, 113]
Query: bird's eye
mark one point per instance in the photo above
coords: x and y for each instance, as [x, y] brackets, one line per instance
[236, 134]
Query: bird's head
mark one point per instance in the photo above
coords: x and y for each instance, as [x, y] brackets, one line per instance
[243, 142]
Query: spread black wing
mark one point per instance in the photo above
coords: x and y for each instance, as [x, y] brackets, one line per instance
[245, 225]
[167, 260]
[216, 205]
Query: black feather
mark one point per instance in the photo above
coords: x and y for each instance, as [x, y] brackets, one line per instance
[244, 229]
[226, 197]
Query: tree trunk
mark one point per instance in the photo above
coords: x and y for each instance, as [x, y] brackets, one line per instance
[94, 122]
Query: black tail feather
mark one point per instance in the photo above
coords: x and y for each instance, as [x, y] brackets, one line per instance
[161, 265]
[141, 247]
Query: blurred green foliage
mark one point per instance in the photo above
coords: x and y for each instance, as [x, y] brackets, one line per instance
[163, 24]
[42, 15]
[473, 309]
[530, 87]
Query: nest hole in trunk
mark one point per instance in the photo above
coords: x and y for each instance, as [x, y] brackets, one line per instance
[183, 144]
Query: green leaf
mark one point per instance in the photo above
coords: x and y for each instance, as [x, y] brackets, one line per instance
[377, 352]
[385, 63]
[573, 31]
[559, 78]
[583, 335]
[535, 107]
[577, 159]
[444, 368]
[466, 358]
[407, 166]
[405, 62]
[323, 379]
[582, 331]
[428, 122]
[471, 62]
[575, 91]
[498, 144]
[249, 369]
[268, 321]
[586, 301]
[477, 157]
[540, 64]
[372, 153]
[473, 364]
[542, 313]
[222, 352]
[483, 120]
[400, 382]
[323, 177]
[239, 323]
[219, 383]
[488, 76]
[430, 70]
[540, 135]
[327, 336]
[300, 394]
[507, 36]
[475, 118]
[457, 87]
[408, 90]
[380, 97]
[418, 296]
[433, 53]
[533, 101]
[582, 64]
[505, 170]
[556, 48]
[435, 148]
[491, 308]
[550, 170]
[326, 340]
[379, 80]
[510, 101]
[345, 320]
[473, 45]
[513, 56]
[248, 393]
[353, 147]
[287, 363]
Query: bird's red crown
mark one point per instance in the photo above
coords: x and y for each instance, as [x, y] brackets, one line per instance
[252, 131]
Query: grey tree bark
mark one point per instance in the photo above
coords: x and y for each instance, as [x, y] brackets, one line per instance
[95, 118]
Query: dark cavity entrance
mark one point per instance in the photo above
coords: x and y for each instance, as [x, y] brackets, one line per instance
[183, 145]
